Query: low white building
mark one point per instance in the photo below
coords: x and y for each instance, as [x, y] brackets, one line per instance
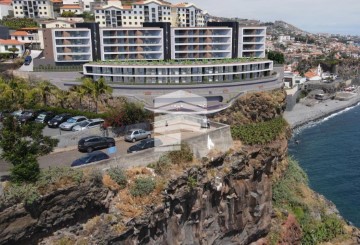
[56, 24]
[6, 44]
[4, 9]
[73, 8]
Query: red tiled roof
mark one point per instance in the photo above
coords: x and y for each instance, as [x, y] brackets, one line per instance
[70, 6]
[5, 2]
[20, 33]
[10, 42]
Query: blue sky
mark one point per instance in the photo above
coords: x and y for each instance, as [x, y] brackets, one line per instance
[332, 16]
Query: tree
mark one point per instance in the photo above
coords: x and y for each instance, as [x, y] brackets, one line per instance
[67, 14]
[96, 88]
[13, 50]
[278, 57]
[79, 92]
[22, 145]
[45, 89]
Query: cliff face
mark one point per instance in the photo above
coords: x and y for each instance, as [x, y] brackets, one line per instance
[228, 203]
[23, 224]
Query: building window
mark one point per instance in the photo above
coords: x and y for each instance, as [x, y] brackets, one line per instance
[40, 12]
[103, 23]
[135, 12]
[124, 23]
[44, 7]
[43, 2]
[130, 23]
[15, 7]
[45, 13]
[97, 11]
[140, 12]
[6, 47]
[39, 7]
[23, 38]
[97, 17]
[135, 23]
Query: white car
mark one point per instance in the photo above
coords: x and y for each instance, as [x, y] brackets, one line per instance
[71, 122]
[92, 123]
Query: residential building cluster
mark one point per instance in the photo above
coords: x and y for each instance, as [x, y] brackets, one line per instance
[159, 41]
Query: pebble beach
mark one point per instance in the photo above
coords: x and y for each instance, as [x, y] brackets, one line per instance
[302, 114]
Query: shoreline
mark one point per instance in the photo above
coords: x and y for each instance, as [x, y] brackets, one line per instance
[301, 114]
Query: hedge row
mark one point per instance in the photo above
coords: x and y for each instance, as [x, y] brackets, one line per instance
[88, 114]
[259, 133]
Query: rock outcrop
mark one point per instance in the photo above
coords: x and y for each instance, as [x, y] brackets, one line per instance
[26, 224]
[232, 206]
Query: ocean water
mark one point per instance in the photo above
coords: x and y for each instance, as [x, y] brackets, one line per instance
[329, 152]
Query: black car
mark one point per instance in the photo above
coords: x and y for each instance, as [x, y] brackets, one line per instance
[4, 114]
[89, 158]
[28, 116]
[58, 119]
[144, 144]
[90, 143]
[44, 117]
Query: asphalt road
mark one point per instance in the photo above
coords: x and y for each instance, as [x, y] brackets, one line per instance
[65, 158]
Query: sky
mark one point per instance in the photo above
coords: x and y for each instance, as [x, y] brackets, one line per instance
[315, 16]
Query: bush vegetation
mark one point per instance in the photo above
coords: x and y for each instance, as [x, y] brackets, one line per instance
[118, 175]
[15, 193]
[287, 194]
[143, 186]
[261, 132]
[18, 23]
[163, 165]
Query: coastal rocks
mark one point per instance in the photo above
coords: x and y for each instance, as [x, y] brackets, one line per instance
[27, 224]
[232, 207]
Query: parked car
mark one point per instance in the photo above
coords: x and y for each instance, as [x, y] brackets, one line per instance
[71, 122]
[144, 144]
[28, 60]
[58, 119]
[18, 113]
[91, 123]
[89, 158]
[4, 114]
[28, 116]
[44, 117]
[90, 143]
[137, 134]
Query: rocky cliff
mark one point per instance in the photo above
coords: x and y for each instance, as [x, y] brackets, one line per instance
[227, 198]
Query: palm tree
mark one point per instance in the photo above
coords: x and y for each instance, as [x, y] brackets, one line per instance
[79, 92]
[62, 97]
[45, 89]
[96, 88]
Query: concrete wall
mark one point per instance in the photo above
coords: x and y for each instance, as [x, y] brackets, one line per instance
[291, 100]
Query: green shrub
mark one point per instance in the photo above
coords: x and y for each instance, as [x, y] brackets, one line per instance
[16, 193]
[143, 186]
[118, 175]
[191, 182]
[181, 156]
[58, 110]
[259, 133]
[162, 165]
[25, 172]
[53, 175]
[96, 177]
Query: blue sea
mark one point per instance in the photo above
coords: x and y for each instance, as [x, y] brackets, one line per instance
[329, 152]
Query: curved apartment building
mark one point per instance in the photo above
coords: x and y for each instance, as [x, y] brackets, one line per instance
[157, 56]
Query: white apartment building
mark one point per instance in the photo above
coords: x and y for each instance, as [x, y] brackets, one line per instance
[252, 42]
[114, 14]
[188, 43]
[33, 9]
[4, 10]
[71, 45]
[131, 44]
[188, 15]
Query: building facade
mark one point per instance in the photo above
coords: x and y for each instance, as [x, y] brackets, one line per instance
[68, 45]
[6, 44]
[33, 9]
[252, 42]
[114, 14]
[195, 43]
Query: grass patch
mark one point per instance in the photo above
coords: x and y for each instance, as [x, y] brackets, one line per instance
[259, 133]
[288, 193]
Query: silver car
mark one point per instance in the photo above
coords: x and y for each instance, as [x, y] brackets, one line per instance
[92, 123]
[71, 122]
[137, 134]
